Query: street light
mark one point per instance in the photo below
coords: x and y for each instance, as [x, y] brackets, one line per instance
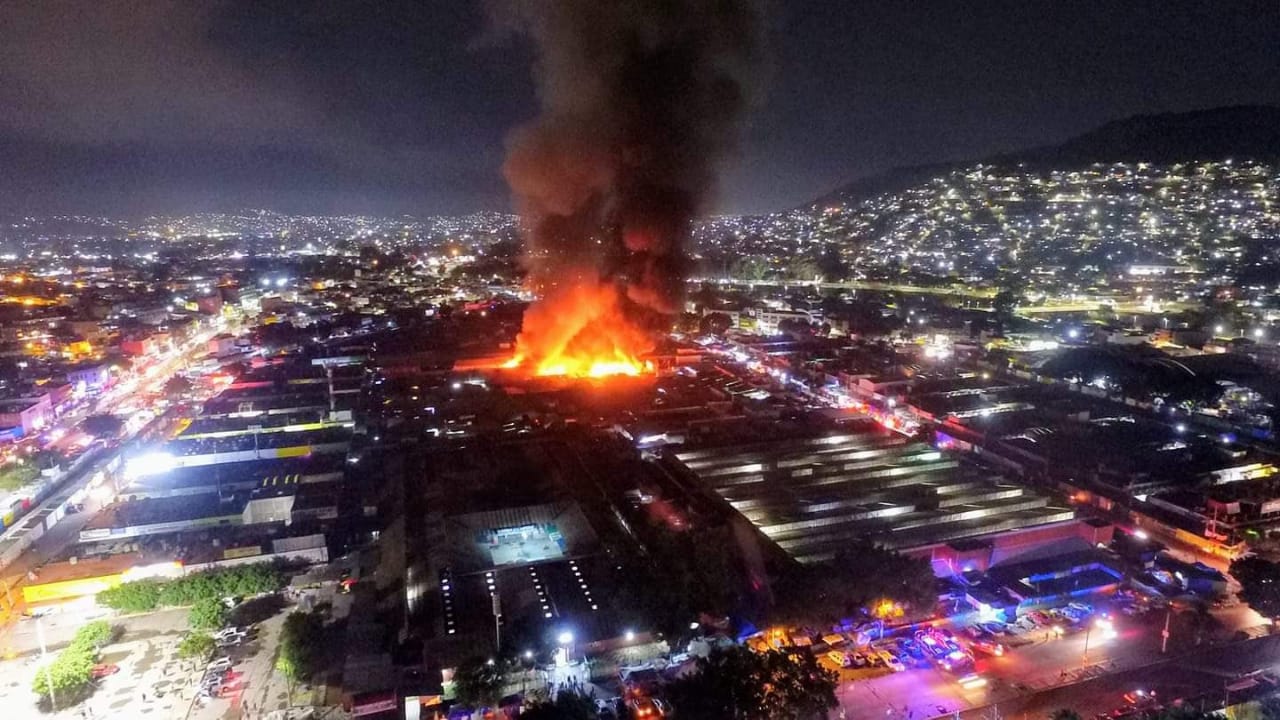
[44, 659]
[1104, 626]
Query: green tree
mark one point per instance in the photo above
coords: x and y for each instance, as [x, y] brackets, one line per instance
[567, 705]
[300, 646]
[177, 386]
[858, 578]
[716, 323]
[684, 575]
[92, 636]
[237, 581]
[479, 683]
[741, 684]
[132, 597]
[751, 268]
[207, 614]
[803, 269]
[1259, 584]
[69, 673]
[102, 426]
[17, 474]
[197, 646]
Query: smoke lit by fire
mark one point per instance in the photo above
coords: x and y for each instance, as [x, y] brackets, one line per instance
[640, 101]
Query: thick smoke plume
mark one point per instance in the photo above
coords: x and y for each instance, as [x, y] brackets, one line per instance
[640, 102]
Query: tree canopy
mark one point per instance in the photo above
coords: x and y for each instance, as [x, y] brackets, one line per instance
[207, 614]
[102, 426]
[150, 594]
[198, 646]
[860, 578]
[684, 575]
[301, 646]
[479, 683]
[566, 705]
[18, 474]
[745, 685]
[70, 673]
[1259, 584]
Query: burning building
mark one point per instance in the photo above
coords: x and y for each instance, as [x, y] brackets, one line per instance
[640, 102]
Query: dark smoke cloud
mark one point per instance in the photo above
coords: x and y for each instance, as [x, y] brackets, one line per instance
[640, 102]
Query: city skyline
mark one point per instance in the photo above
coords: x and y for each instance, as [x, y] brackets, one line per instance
[404, 108]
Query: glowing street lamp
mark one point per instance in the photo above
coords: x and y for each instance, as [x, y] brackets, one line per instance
[1104, 626]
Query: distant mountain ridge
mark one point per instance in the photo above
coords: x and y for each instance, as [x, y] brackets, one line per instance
[1241, 131]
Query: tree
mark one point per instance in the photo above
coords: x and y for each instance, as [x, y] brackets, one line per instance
[92, 636]
[751, 268]
[684, 575]
[132, 597]
[102, 426]
[479, 683]
[70, 674]
[567, 705]
[791, 326]
[196, 646]
[300, 646]
[207, 614]
[177, 386]
[17, 474]
[48, 459]
[863, 578]
[832, 265]
[716, 323]
[241, 580]
[739, 683]
[1259, 584]
[803, 269]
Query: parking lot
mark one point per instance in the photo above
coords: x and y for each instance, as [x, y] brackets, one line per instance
[964, 661]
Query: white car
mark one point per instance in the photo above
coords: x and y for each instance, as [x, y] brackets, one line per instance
[222, 663]
[229, 640]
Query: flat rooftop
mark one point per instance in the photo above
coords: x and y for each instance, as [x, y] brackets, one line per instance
[815, 496]
[233, 476]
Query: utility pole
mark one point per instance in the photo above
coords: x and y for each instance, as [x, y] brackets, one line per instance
[44, 658]
[497, 622]
[333, 406]
[1164, 634]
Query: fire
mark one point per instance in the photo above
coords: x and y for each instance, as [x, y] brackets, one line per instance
[581, 332]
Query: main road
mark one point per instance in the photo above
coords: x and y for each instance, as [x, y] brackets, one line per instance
[1044, 664]
[144, 386]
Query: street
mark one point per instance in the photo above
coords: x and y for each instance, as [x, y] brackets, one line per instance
[1038, 662]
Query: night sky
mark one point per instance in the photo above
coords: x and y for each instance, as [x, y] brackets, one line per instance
[337, 106]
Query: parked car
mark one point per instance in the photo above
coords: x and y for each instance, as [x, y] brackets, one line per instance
[102, 670]
[222, 663]
[839, 658]
[858, 659]
[647, 708]
[228, 631]
[988, 647]
[890, 660]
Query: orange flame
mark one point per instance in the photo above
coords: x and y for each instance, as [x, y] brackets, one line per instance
[581, 332]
